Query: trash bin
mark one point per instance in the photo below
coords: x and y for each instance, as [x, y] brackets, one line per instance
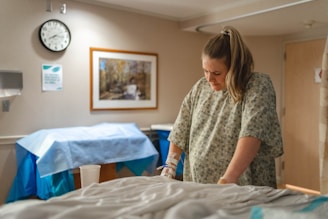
[163, 131]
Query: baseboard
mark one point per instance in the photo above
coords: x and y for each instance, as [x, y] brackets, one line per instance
[301, 189]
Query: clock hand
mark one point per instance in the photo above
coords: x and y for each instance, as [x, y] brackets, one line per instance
[53, 36]
[57, 35]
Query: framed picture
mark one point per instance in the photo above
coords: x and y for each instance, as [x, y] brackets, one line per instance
[122, 80]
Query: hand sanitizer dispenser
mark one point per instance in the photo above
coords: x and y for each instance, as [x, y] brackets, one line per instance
[11, 85]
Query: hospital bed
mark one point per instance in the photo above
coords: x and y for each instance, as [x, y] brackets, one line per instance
[148, 197]
[158, 197]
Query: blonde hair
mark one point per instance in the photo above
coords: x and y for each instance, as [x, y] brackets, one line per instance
[229, 46]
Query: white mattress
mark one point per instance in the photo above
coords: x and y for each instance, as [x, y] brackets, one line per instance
[160, 197]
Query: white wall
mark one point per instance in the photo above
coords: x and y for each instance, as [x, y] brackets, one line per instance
[91, 26]
[179, 66]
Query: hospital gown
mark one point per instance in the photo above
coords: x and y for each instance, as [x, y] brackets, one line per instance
[209, 125]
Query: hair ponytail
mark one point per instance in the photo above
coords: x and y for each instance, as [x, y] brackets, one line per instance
[241, 65]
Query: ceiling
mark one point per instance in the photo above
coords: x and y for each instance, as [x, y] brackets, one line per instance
[250, 17]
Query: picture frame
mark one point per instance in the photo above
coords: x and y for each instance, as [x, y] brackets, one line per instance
[122, 80]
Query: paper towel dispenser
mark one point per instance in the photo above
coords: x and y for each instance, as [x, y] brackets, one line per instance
[11, 83]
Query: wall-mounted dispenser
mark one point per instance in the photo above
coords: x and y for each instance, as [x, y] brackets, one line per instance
[11, 85]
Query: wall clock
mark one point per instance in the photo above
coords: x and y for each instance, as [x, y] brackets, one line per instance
[55, 35]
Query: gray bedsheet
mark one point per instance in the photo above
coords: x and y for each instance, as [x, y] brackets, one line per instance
[160, 197]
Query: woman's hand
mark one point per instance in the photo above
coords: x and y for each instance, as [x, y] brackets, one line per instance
[246, 150]
[170, 166]
[169, 171]
[225, 181]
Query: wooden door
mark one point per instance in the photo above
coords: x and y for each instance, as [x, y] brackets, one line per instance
[301, 121]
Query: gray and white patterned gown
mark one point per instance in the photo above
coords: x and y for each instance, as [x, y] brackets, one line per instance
[209, 125]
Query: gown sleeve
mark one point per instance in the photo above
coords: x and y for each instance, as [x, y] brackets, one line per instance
[259, 115]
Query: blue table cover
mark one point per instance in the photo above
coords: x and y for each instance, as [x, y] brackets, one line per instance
[45, 158]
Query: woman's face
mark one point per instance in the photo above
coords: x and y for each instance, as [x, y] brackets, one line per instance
[215, 72]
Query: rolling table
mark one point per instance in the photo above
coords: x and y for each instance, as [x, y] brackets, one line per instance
[45, 159]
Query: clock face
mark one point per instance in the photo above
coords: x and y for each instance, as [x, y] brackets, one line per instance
[54, 35]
